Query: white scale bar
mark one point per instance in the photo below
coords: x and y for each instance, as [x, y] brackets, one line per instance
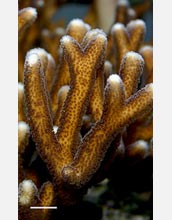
[43, 207]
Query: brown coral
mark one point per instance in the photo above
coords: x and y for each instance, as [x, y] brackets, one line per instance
[80, 113]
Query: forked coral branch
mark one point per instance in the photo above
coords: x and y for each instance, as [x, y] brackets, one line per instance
[73, 161]
[85, 103]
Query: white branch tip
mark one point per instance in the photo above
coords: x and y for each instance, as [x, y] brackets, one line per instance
[136, 23]
[114, 79]
[65, 39]
[78, 22]
[32, 59]
[134, 55]
[32, 11]
[27, 191]
[117, 27]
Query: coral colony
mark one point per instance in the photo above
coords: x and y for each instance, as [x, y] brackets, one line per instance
[79, 107]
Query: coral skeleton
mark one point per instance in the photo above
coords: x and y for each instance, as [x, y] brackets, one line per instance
[81, 113]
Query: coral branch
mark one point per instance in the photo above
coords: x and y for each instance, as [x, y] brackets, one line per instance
[23, 140]
[128, 38]
[121, 40]
[25, 18]
[147, 54]
[76, 29]
[46, 199]
[130, 71]
[27, 193]
[48, 65]
[77, 121]
[83, 70]
[38, 112]
[121, 11]
[92, 150]
[136, 30]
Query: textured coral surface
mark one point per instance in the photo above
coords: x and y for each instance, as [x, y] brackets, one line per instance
[85, 122]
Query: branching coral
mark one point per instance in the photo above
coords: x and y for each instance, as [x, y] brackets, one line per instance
[58, 150]
[80, 114]
[127, 38]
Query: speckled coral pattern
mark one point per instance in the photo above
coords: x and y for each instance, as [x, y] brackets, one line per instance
[128, 38]
[57, 154]
[130, 71]
[120, 40]
[57, 150]
[96, 142]
[46, 194]
[46, 197]
[97, 95]
[38, 113]
[76, 29]
[140, 103]
[83, 70]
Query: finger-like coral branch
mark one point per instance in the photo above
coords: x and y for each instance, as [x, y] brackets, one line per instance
[107, 70]
[25, 18]
[39, 117]
[143, 127]
[122, 11]
[121, 39]
[136, 30]
[48, 65]
[147, 54]
[83, 72]
[76, 29]
[95, 144]
[23, 140]
[127, 38]
[46, 199]
[40, 120]
[130, 71]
